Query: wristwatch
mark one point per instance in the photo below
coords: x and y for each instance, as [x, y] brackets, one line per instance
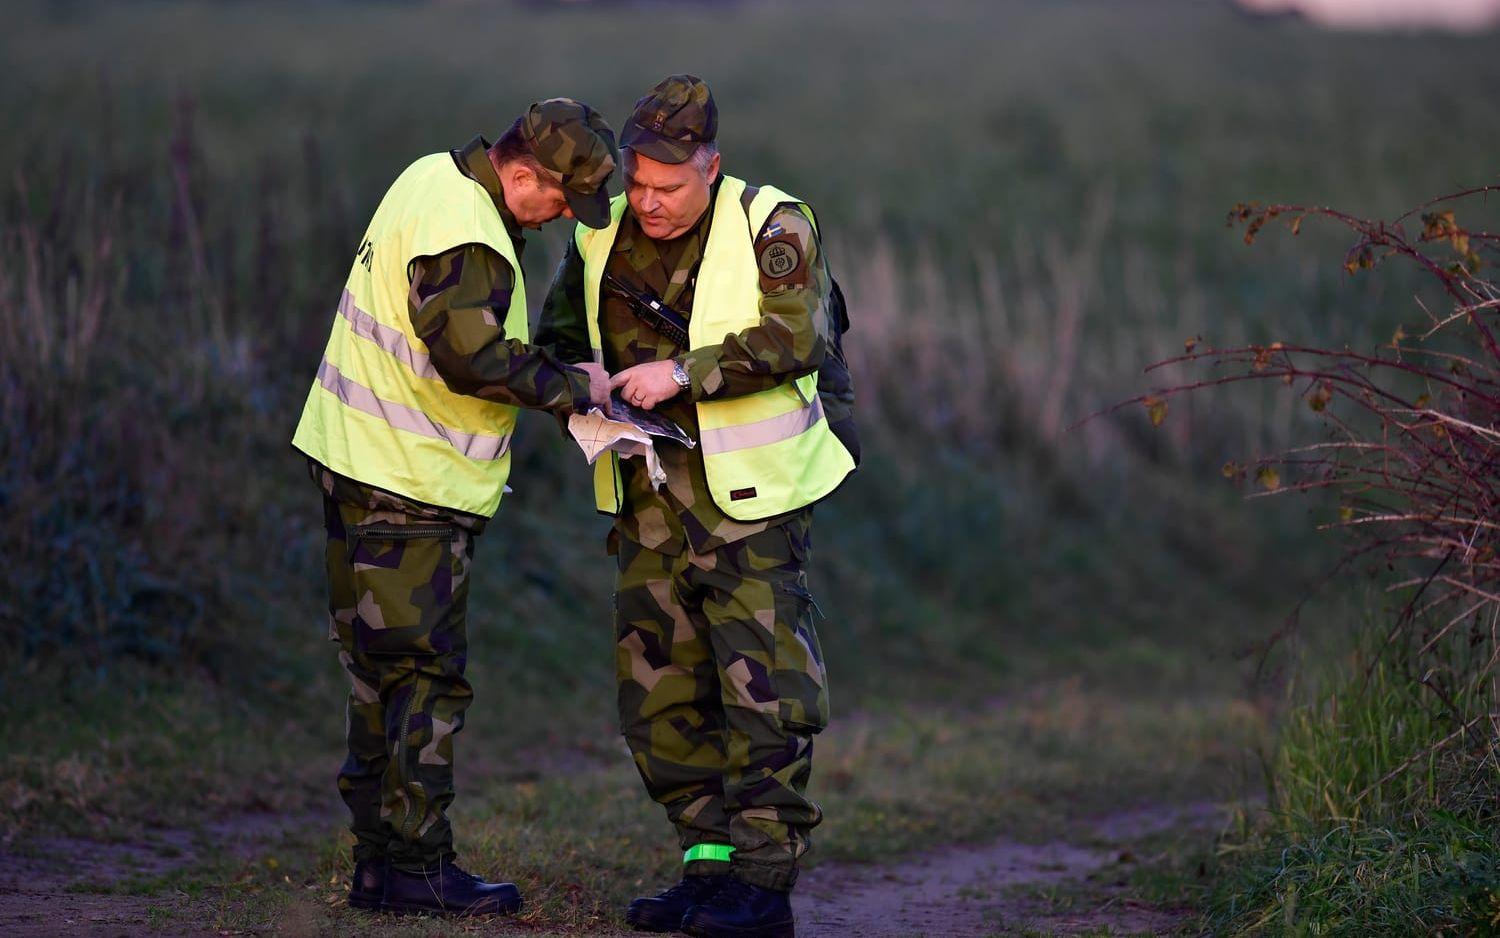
[680, 375]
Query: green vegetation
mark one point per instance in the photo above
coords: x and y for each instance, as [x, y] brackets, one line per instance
[1025, 202]
[1382, 821]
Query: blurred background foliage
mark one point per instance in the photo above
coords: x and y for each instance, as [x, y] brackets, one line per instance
[1024, 200]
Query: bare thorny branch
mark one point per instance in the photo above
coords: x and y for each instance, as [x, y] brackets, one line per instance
[1413, 457]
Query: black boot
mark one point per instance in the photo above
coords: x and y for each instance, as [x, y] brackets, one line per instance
[740, 910]
[447, 890]
[367, 887]
[664, 911]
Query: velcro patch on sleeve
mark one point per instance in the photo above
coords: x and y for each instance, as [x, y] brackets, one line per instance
[780, 260]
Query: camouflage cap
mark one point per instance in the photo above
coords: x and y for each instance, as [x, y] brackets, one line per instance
[574, 144]
[669, 123]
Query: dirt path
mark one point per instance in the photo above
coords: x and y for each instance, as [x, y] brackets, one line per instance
[56, 885]
[981, 890]
[35, 896]
[955, 891]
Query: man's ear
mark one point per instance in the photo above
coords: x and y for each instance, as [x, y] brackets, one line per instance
[521, 175]
[713, 169]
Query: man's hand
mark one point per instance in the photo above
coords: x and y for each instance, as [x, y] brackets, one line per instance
[646, 385]
[599, 385]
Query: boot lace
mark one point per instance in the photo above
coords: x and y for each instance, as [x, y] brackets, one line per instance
[733, 893]
[692, 887]
[453, 870]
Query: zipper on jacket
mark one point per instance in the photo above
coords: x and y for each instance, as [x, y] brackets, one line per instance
[404, 532]
[409, 826]
[384, 531]
[802, 593]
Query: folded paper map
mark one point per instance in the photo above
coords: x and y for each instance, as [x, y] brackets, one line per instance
[629, 431]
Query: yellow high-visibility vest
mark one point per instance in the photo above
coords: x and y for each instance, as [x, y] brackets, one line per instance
[378, 411]
[764, 453]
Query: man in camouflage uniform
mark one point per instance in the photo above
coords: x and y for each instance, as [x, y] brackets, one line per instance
[720, 675]
[397, 563]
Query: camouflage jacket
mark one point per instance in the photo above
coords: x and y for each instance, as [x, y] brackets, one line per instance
[790, 341]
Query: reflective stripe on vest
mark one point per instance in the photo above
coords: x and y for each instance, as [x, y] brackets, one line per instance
[379, 411]
[387, 338]
[761, 432]
[766, 453]
[356, 395]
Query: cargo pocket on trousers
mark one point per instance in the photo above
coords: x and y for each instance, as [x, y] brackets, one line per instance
[799, 680]
[404, 578]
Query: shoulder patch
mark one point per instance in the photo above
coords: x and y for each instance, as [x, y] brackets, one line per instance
[779, 257]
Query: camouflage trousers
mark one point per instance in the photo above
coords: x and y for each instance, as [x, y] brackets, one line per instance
[721, 688]
[398, 593]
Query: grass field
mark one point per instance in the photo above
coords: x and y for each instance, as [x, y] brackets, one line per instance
[1025, 204]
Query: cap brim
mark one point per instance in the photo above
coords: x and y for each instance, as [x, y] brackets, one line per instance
[590, 210]
[650, 144]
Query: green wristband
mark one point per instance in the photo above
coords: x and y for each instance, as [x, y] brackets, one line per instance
[719, 852]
